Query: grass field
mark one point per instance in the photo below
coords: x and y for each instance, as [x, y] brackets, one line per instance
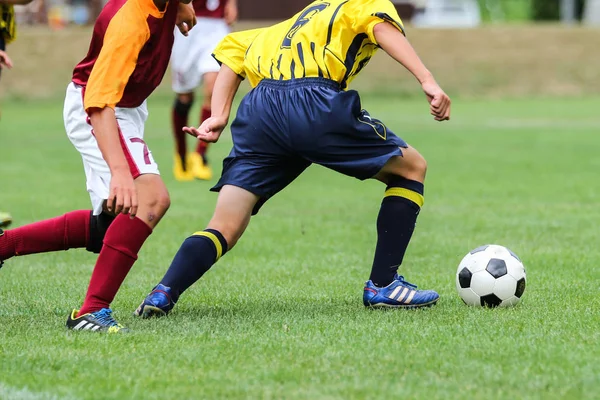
[281, 316]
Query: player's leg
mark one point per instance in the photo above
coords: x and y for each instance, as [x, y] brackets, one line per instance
[202, 250]
[404, 177]
[358, 145]
[210, 31]
[180, 117]
[125, 235]
[201, 169]
[185, 80]
[75, 229]
[259, 166]
[123, 241]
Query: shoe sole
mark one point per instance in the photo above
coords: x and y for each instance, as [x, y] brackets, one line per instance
[404, 306]
[150, 312]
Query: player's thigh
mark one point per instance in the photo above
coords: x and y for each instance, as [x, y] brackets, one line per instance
[232, 212]
[263, 176]
[79, 131]
[131, 123]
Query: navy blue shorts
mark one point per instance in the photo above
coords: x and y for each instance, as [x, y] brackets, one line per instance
[282, 127]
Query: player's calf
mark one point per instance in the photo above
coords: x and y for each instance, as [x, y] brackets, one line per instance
[68, 231]
[199, 252]
[400, 207]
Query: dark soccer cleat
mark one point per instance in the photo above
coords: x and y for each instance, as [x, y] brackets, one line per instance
[100, 321]
[398, 294]
[157, 304]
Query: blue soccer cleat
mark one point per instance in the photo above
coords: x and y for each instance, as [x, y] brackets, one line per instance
[98, 321]
[157, 304]
[398, 294]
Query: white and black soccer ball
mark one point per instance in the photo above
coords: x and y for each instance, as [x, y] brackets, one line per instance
[491, 276]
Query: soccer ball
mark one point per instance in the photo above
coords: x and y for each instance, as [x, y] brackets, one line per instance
[491, 276]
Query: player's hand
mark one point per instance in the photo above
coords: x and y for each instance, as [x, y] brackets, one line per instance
[209, 131]
[231, 12]
[122, 197]
[439, 102]
[5, 61]
[186, 18]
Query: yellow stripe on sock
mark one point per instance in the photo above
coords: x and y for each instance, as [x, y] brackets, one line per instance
[415, 197]
[214, 239]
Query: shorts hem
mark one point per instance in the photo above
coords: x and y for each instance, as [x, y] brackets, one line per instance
[384, 160]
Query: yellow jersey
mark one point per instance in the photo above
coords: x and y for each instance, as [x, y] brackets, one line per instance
[7, 22]
[329, 39]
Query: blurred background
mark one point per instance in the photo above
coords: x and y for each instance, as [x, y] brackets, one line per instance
[59, 13]
[476, 48]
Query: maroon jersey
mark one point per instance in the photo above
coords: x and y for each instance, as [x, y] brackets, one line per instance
[128, 55]
[210, 8]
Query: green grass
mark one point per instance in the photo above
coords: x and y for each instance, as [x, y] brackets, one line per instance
[281, 316]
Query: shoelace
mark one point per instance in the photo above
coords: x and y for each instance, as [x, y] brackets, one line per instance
[401, 279]
[105, 317]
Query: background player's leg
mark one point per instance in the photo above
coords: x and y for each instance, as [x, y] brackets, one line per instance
[180, 115]
[123, 241]
[201, 168]
[201, 250]
[404, 177]
[69, 231]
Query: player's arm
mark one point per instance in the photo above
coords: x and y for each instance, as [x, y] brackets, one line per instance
[393, 42]
[230, 53]
[231, 11]
[5, 61]
[186, 17]
[226, 86]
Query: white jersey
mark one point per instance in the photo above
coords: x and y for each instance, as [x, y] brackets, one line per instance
[192, 55]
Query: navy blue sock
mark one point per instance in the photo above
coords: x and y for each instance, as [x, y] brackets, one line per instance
[195, 256]
[395, 225]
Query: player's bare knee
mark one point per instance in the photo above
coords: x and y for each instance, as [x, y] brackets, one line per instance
[412, 165]
[418, 167]
[163, 202]
[185, 98]
[158, 204]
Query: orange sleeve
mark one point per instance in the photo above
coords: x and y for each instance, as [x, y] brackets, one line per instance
[125, 36]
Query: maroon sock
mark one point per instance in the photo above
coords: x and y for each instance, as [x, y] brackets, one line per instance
[180, 115]
[203, 146]
[124, 239]
[68, 231]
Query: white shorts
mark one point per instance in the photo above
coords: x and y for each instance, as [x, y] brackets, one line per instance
[192, 55]
[131, 129]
